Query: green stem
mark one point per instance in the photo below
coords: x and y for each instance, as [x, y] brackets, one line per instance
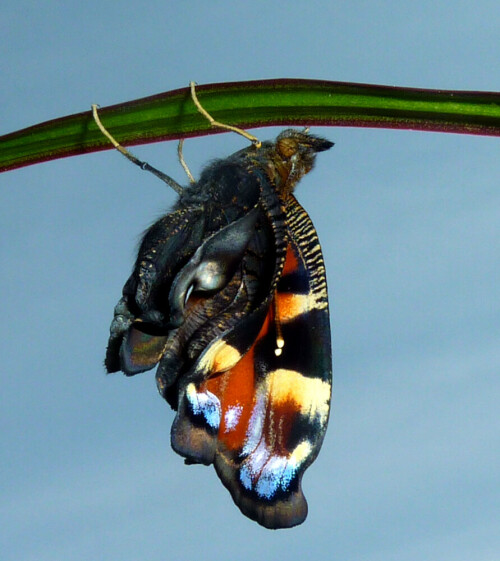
[172, 115]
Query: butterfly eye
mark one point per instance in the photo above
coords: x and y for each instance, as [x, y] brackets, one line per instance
[287, 147]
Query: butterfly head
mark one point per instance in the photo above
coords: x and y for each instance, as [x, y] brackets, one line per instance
[294, 156]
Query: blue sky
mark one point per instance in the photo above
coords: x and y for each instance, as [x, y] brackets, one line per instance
[410, 227]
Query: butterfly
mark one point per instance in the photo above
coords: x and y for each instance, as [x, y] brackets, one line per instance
[228, 300]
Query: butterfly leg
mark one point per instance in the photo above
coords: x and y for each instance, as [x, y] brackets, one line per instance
[253, 139]
[143, 165]
[182, 161]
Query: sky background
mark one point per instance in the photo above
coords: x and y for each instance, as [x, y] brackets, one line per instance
[410, 228]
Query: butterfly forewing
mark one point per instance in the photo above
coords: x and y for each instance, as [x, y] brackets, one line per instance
[263, 420]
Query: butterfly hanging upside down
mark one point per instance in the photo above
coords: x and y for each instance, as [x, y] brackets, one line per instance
[228, 297]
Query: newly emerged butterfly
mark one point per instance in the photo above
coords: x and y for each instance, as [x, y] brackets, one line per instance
[228, 299]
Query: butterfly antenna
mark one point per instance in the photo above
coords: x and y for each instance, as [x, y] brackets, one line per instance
[280, 342]
[253, 139]
[143, 165]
